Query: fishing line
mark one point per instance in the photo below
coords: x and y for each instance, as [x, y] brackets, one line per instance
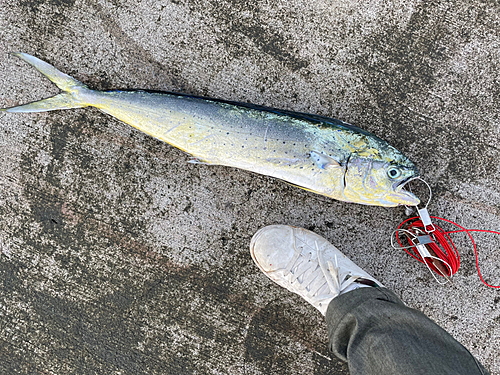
[431, 245]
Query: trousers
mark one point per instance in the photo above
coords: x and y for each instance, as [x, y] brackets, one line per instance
[377, 334]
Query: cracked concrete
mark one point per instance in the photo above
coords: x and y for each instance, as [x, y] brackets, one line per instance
[119, 257]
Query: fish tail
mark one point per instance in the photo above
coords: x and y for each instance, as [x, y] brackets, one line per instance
[71, 97]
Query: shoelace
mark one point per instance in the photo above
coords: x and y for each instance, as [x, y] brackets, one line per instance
[333, 282]
[319, 268]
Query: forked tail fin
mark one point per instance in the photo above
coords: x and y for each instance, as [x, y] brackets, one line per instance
[69, 98]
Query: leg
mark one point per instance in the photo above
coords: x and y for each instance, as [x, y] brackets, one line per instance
[377, 334]
[368, 326]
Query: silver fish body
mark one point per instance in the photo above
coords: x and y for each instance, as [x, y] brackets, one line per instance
[319, 154]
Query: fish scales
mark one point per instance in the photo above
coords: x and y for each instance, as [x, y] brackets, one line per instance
[217, 132]
[316, 153]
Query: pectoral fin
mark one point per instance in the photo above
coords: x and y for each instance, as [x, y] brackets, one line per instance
[324, 161]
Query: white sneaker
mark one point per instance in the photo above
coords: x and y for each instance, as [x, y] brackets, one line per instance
[306, 263]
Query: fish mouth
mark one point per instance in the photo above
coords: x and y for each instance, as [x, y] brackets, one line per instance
[400, 185]
[411, 199]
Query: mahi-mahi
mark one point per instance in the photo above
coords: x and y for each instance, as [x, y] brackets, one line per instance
[319, 154]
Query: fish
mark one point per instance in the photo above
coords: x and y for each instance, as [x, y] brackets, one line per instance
[316, 153]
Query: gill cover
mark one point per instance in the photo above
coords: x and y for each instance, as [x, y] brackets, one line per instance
[379, 183]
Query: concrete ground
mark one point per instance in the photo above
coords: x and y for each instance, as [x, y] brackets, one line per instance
[119, 257]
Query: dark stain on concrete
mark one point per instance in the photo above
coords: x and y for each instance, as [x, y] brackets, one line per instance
[89, 337]
[46, 17]
[115, 332]
[243, 28]
[397, 65]
[403, 61]
[271, 329]
[140, 60]
[36, 5]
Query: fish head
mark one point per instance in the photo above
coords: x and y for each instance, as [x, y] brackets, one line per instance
[379, 181]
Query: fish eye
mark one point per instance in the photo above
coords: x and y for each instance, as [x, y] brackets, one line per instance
[394, 172]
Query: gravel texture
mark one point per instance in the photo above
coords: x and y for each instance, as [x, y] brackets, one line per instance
[119, 257]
